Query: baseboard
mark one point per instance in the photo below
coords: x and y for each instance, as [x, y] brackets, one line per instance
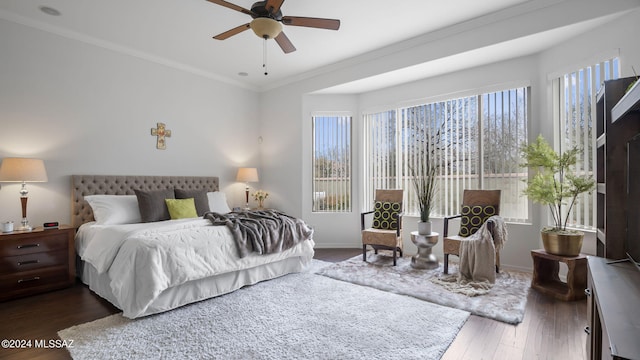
[338, 246]
[517, 268]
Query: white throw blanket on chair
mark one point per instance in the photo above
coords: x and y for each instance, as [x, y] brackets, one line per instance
[477, 271]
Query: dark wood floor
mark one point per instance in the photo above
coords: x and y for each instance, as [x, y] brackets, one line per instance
[550, 330]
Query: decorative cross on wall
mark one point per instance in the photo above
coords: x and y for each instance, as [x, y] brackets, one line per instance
[161, 132]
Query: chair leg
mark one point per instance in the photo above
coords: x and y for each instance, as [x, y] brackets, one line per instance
[364, 252]
[497, 262]
[400, 252]
[394, 257]
[446, 263]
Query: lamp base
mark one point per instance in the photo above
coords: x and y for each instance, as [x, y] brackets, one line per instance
[24, 225]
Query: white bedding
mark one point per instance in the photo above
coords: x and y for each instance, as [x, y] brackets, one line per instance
[144, 260]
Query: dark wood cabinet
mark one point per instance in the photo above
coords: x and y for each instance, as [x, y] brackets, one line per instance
[613, 289]
[612, 136]
[36, 261]
[613, 299]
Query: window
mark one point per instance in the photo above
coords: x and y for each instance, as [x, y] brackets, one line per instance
[504, 119]
[380, 152]
[475, 140]
[575, 97]
[443, 129]
[331, 164]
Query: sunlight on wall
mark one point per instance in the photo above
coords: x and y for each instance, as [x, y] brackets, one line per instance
[25, 136]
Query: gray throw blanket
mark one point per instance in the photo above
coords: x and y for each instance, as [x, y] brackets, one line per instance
[478, 253]
[262, 231]
[477, 272]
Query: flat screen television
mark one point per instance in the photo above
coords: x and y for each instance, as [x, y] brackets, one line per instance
[632, 242]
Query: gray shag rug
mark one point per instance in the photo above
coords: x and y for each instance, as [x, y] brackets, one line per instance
[297, 316]
[506, 301]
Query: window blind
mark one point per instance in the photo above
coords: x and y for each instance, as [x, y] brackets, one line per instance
[380, 153]
[331, 164]
[474, 141]
[576, 98]
[504, 128]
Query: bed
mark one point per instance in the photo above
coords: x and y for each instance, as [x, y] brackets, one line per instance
[152, 267]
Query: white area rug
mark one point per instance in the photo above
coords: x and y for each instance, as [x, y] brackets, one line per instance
[505, 302]
[297, 316]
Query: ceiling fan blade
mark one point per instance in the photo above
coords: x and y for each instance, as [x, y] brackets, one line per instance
[232, 6]
[285, 43]
[330, 24]
[230, 33]
[273, 6]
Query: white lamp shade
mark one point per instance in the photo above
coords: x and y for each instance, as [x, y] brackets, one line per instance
[266, 27]
[22, 169]
[247, 175]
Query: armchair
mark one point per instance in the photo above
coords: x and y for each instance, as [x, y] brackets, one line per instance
[477, 207]
[386, 232]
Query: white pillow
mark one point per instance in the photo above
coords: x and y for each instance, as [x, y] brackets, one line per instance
[114, 209]
[218, 202]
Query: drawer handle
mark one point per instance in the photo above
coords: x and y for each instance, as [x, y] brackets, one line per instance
[28, 246]
[587, 329]
[20, 263]
[587, 292]
[27, 280]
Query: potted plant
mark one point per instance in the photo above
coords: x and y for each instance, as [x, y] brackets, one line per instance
[424, 183]
[554, 182]
[260, 196]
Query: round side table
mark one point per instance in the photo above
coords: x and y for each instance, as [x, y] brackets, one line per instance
[424, 259]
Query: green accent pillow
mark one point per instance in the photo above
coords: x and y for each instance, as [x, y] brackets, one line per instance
[385, 215]
[473, 217]
[181, 208]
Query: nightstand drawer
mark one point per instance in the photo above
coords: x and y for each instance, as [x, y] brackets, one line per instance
[20, 263]
[55, 277]
[33, 262]
[38, 242]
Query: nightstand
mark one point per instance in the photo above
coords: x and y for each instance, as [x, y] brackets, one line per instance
[36, 261]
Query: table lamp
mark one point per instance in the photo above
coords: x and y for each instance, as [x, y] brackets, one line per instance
[23, 170]
[247, 175]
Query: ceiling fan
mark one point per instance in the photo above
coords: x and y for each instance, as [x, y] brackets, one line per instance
[266, 22]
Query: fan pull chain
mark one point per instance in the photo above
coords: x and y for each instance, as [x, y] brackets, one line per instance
[264, 56]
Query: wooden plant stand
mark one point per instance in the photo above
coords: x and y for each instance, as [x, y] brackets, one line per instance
[546, 279]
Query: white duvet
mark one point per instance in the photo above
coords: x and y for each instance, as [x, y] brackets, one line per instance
[143, 260]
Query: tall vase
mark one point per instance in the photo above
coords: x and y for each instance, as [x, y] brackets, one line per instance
[260, 203]
[424, 227]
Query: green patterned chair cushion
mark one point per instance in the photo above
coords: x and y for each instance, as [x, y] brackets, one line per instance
[385, 216]
[473, 217]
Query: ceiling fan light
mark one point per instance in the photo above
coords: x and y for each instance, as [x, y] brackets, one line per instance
[266, 27]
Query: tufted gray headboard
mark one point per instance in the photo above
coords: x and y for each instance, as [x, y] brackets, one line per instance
[83, 185]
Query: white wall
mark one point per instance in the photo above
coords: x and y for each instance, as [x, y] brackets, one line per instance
[281, 109]
[88, 110]
[281, 149]
[85, 109]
